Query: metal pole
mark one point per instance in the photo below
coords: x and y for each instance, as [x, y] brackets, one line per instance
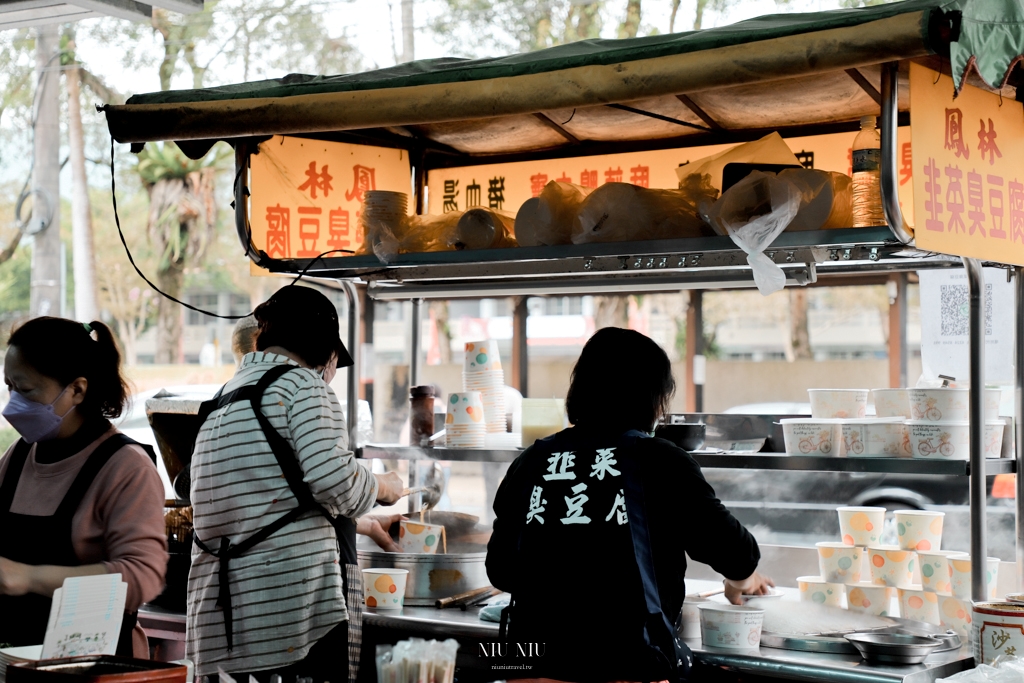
[1018, 408]
[354, 372]
[520, 351]
[890, 177]
[979, 547]
[415, 342]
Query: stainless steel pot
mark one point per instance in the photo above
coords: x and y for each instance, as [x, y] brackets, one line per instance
[431, 577]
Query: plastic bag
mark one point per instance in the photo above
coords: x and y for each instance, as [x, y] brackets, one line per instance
[413, 235]
[753, 212]
[483, 229]
[771, 149]
[1005, 669]
[619, 212]
[548, 219]
[826, 199]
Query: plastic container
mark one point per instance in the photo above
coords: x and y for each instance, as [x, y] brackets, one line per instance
[867, 167]
[542, 417]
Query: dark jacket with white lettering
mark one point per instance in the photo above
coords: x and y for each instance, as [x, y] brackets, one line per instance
[562, 547]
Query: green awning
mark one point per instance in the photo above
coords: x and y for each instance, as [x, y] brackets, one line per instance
[778, 71]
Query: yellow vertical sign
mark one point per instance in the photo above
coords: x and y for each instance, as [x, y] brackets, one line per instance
[307, 195]
[968, 191]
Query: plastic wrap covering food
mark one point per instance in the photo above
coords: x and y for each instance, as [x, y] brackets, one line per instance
[483, 229]
[548, 219]
[753, 212]
[771, 149]
[411, 235]
[826, 199]
[620, 212]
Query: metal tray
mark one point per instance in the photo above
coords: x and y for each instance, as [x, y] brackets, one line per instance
[894, 648]
[836, 643]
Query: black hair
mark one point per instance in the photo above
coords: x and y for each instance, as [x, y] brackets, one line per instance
[623, 380]
[65, 350]
[302, 320]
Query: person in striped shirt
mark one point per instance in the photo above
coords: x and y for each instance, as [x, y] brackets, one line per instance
[286, 608]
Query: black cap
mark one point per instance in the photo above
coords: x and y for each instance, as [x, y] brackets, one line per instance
[306, 309]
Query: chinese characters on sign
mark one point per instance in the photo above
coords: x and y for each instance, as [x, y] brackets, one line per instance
[300, 205]
[967, 187]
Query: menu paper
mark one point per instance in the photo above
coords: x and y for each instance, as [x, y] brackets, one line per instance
[85, 617]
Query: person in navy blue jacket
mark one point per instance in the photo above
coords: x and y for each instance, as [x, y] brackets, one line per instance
[591, 526]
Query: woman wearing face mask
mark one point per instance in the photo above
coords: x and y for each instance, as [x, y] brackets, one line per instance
[615, 509]
[77, 497]
[274, 587]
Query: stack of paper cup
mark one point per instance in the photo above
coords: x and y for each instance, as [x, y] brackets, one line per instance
[464, 425]
[387, 209]
[482, 372]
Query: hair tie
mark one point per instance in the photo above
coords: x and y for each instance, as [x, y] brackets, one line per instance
[88, 327]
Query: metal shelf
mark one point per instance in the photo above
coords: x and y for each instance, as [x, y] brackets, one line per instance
[753, 461]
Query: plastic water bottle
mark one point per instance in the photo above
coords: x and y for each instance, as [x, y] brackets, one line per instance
[867, 164]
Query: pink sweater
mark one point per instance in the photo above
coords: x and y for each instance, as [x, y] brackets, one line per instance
[120, 522]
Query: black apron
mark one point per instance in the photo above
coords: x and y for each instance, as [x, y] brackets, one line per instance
[344, 528]
[35, 540]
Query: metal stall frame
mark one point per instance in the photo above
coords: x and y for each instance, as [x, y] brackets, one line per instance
[410, 109]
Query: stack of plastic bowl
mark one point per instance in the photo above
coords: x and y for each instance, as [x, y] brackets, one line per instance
[464, 424]
[482, 372]
[940, 424]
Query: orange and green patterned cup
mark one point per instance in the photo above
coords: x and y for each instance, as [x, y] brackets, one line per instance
[384, 588]
[891, 566]
[955, 613]
[935, 571]
[840, 563]
[861, 526]
[868, 598]
[818, 590]
[414, 537]
[919, 605]
[919, 529]
[960, 575]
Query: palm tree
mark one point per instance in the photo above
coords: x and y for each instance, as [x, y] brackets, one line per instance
[182, 219]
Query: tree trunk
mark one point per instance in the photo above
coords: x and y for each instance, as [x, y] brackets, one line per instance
[611, 311]
[799, 333]
[83, 252]
[168, 320]
[672, 17]
[698, 18]
[631, 24]
[408, 32]
[129, 349]
[589, 24]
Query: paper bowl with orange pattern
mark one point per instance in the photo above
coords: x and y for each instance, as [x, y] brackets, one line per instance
[919, 530]
[384, 588]
[918, 604]
[414, 537]
[890, 565]
[867, 598]
[861, 526]
[955, 614]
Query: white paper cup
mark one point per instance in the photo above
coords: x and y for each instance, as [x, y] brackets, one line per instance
[812, 437]
[892, 566]
[414, 537]
[891, 402]
[840, 563]
[919, 605]
[867, 598]
[817, 590]
[919, 529]
[385, 588]
[465, 408]
[960, 575]
[838, 403]
[861, 526]
[935, 572]
[955, 614]
[689, 621]
[482, 356]
[733, 627]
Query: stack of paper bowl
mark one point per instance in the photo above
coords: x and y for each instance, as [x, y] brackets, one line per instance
[891, 402]
[874, 437]
[838, 403]
[464, 424]
[812, 436]
[482, 372]
[381, 208]
[859, 528]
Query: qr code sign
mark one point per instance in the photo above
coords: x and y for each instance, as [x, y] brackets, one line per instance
[956, 310]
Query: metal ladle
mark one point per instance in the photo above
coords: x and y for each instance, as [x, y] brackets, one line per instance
[432, 488]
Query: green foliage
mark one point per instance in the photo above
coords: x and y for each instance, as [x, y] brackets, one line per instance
[14, 282]
[164, 161]
[8, 436]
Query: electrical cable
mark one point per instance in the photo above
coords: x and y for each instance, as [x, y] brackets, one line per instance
[120, 232]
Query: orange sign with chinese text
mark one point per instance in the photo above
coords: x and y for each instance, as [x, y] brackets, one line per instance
[968, 178]
[507, 186]
[306, 195]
